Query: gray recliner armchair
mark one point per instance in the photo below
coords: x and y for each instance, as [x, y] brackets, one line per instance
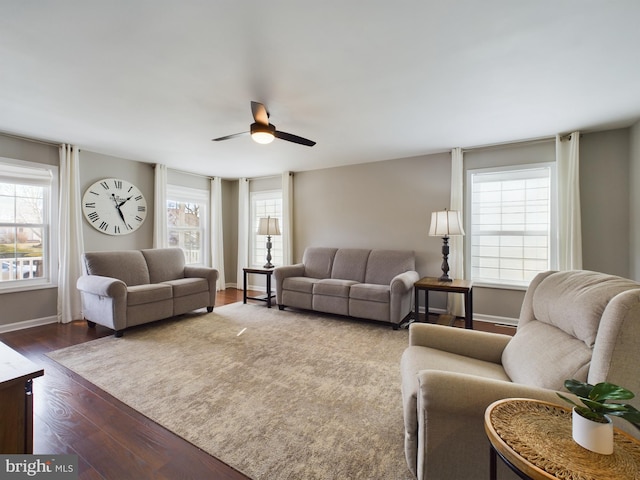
[575, 324]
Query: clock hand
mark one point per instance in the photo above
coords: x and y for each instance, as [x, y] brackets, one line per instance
[118, 207]
[121, 215]
[125, 201]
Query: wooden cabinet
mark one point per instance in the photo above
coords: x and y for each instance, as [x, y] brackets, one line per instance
[16, 401]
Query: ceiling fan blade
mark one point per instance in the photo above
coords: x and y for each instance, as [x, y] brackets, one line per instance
[260, 113]
[289, 137]
[230, 136]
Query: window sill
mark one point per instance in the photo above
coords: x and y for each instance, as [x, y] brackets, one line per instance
[26, 288]
[499, 286]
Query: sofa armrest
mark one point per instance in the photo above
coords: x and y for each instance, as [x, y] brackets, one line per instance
[280, 273]
[208, 273]
[471, 343]
[285, 271]
[192, 271]
[403, 282]
[102, 286]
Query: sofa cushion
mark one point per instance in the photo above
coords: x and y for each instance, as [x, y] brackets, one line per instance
[333, 287]
[299, 284]
[188, 286]
[383, 265]
[128, 266]
[370, 292]
[164, 264]
[154, 292]
[318, 262]
[350, 264]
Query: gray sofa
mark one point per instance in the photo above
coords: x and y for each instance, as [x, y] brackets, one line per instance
[363, 283]
[124, 288]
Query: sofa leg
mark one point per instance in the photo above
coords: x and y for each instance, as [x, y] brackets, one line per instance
[91, 324]
[118, 333]
[281, 307]
[209, 309]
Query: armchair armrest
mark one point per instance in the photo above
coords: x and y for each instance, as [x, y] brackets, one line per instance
[403, 282]
[471, 343]
[102, 286]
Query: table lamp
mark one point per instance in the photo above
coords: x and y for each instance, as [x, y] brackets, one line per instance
[445, 224]
[268, 226]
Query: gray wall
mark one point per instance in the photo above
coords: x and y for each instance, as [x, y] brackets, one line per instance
[634, 203]
[605, 201]
[383, 205]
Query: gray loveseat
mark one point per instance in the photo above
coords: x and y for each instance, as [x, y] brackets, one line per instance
[363, 283]
[124, 288]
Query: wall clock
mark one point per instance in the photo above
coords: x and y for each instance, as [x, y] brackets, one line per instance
[114, 206]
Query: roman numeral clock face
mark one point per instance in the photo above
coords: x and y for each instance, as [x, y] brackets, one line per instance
[114, 206]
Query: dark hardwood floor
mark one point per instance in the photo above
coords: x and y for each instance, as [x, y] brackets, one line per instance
[111, 440]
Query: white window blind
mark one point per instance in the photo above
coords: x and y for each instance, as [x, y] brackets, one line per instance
[511, 224]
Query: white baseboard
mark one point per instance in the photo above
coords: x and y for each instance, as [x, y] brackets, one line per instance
[36, 322]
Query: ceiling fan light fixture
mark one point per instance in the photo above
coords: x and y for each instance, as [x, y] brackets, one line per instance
[262, 134]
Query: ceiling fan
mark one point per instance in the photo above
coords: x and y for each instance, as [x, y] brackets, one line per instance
[264, 132]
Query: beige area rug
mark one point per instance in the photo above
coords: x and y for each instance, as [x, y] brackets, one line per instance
[294, 396]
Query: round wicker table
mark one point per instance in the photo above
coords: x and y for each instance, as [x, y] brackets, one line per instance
[534, 439]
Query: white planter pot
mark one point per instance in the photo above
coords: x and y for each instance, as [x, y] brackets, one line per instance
[594, 436]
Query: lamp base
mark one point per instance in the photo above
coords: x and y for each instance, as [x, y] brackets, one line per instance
[269, 265]
[445, 264]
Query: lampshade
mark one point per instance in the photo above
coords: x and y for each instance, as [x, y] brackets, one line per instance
[445, 224]
[268, 226]
[262, 133]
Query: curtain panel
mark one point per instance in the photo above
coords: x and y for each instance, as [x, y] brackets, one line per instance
[216, 233]
[455, 301]
[569, 211]
[160, 232]
[71, 241]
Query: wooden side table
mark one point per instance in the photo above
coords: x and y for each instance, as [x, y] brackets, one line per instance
[259, 271]
[534, 439]
[16, 397]
[427, 284]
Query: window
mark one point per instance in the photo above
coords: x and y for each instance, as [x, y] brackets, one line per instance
[28, 198]
[187, 222]
[511, 223]
[265, 204]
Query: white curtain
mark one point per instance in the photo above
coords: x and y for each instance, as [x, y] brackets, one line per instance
[455, 301]
[243, 229]
[71, 242]
[217, 245]
[569, 224]
[287, 218]
[160, 234]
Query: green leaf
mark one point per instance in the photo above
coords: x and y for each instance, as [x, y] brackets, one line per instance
[578, 388]
[609, 391]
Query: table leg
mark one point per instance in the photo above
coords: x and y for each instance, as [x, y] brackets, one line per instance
[426, 306]
[268, 290]
[244, 291]
[416, 303]
[468, 309]
[493, 474]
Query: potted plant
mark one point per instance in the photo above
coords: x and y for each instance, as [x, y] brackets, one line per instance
[592, 427]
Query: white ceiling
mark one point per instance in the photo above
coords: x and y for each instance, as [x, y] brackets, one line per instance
[156, 80]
